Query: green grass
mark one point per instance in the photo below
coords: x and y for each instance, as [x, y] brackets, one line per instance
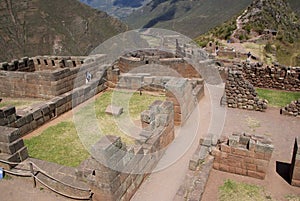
[17, 102]
[59, 144]
[62, 143]
[277, 98]
[292, 197]
[234, 191]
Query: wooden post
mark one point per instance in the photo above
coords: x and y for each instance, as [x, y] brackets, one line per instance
[33, 176]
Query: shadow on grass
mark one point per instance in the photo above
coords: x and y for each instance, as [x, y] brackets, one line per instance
[283, 169]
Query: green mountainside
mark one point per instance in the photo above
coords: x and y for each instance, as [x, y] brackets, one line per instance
[116, 8]
[52, 27]
[270, 24]
[190, 18]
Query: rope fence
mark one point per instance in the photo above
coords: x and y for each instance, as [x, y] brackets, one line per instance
[34, 170]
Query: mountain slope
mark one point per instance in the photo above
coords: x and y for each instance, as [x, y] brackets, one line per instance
[269, 26]
[191, 18]
[271, 14]
[43, 27]
[117, 8]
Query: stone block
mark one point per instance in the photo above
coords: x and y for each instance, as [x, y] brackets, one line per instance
[114, 110]
[257, 175]
[20, 122]
[8, 135]
[11, 148]
[37, 113]
[8, 111]
[225, 148]
[233, 141]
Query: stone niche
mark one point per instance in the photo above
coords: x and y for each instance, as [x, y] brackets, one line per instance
[244, 154]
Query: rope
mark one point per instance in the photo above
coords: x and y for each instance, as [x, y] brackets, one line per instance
[60, 193]
[39, 170]
[8, 162]
[17, 173]
[69, 185]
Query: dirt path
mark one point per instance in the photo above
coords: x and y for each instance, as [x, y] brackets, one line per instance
[17, 189]
[163, 185]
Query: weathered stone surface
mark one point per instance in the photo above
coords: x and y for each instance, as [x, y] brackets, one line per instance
[114, 110]
[244, 154]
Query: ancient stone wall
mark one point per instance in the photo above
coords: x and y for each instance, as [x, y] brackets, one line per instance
[272, 77]
[184, 93]
[244, 154]
[32, 117]
[48, 81]
[184, 69]
[292, 109]
[116, 170]
[12, 146]
[295, 165]
[241, 94]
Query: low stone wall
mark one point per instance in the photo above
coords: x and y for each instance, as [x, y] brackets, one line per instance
[196, 177]
[292, 109]
[12, 146]
[116, 170]
[295, 165]
[272, 77]
[241, 94]
[244, 154]
[32, 117]
[184, 93]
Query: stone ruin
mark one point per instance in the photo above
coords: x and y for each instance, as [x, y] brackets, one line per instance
[61, 80]
[116, 170]
[45, 77]
[271, 77]
[243, 154]
[241, 94]
[12, 147]
[292, 109]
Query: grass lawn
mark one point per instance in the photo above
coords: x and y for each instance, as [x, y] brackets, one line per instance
[278, 98]
[18, 102]
[234, 191]
[59, 144]
[62, 143]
